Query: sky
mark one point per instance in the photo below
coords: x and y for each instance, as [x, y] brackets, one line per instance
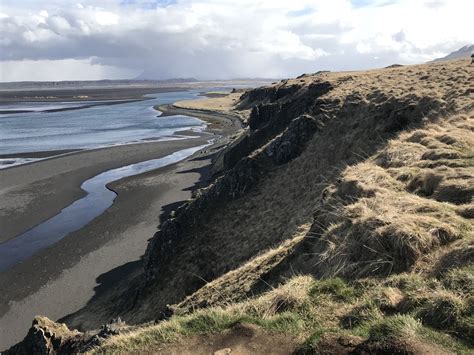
[222, 39]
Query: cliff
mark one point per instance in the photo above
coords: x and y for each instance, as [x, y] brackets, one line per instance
[341, 219]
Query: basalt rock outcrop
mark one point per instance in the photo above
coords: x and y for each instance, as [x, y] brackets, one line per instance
[292, 141]
[44, 337]
[276, 108]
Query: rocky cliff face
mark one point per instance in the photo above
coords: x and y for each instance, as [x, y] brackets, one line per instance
[276, 135]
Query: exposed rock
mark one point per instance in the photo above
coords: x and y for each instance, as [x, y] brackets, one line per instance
[271, 117]
[262, 114]
[94, 339]
[290, 144]
[463, 52]
[44, 337]
[268, 94]
[48, 337]
[232, 185]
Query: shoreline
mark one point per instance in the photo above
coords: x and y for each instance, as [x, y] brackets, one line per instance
[25, 189]
[61, 279]
[231, 123]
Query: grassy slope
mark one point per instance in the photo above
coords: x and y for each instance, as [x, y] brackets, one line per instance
[404, 208]
[364, 241]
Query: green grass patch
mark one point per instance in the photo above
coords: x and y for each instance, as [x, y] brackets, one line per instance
[287, 322]
[336, 288]
[436, 337]
[407, 282]
[394, 327]
[366, 312]
[435, 311]
[209, 322]
[460, 280]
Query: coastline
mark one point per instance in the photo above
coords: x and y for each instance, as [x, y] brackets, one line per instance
[61, 279]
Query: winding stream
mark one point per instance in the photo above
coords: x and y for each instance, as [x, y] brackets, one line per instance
[80, 212]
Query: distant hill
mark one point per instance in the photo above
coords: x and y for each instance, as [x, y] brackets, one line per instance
[464, 52]
[146, 75]
[23, 85]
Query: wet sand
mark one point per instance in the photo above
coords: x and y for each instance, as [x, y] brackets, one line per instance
[42, 154]
[34, 192]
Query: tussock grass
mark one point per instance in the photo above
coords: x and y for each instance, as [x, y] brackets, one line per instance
[388, 213]
[442, 310]
[398, 326]
[235, 285]
[277, 311]
[365, 313]
[307, 309]
[460, 280]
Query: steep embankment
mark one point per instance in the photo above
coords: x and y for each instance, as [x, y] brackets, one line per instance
[364, 176]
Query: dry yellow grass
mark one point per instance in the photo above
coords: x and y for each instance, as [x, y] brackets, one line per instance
[223, 104]
[236, 284]
[402, 210]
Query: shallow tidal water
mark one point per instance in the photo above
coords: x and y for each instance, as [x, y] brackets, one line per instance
[90, 127]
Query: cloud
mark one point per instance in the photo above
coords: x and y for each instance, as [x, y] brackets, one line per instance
[224, 38]
[57, 70]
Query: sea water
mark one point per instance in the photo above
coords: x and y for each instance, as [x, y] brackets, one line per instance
[90, 127]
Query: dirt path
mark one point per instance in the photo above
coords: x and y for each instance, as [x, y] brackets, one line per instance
[243, 339]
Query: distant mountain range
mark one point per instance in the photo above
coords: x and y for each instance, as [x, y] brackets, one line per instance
[148, 76]
[464, 52]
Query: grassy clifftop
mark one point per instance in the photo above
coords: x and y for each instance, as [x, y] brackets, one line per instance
[340, 221]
